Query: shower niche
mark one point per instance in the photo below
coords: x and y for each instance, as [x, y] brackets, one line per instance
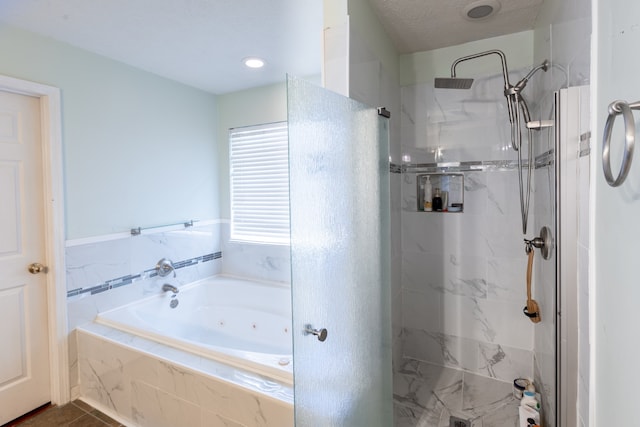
[440, 192]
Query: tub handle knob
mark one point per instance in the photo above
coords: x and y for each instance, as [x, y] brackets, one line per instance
[164, 267]
[320, 333]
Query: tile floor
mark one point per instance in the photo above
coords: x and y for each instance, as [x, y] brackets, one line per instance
[74, 414]
[428, 395]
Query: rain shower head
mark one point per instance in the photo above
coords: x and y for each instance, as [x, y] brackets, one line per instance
[453, 83]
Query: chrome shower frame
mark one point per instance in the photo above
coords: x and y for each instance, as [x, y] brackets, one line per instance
[518, 112]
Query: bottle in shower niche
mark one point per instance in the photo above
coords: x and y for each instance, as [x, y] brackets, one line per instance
[428, 207]
[436, 202]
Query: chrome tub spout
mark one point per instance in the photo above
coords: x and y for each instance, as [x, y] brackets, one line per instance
[167, 287]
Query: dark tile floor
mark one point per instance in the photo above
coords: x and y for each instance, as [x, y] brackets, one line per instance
[74, 414]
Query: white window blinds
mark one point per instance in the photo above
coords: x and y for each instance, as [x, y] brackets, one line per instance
[259, 169]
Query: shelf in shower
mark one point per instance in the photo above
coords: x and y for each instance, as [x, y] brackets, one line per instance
[451, 187]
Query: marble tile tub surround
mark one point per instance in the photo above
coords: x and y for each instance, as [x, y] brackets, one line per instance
[95, 261]
[130, 262]
[255, 260]
[147, 384]
[427, 395]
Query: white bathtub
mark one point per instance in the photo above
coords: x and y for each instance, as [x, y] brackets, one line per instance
[246, 324]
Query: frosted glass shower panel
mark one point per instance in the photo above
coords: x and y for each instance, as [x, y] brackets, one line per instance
[339, 192]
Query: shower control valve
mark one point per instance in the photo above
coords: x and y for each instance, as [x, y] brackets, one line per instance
[543, 242]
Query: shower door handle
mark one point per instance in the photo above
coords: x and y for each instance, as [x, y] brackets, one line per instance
[320, 333]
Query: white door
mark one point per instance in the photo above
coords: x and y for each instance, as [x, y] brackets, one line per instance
[24, 358]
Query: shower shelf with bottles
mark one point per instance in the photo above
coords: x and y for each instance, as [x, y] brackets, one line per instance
[440, 192]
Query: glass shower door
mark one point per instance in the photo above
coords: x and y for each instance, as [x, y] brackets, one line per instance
[339, 195]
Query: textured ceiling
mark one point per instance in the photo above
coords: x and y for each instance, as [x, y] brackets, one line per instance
[197, 42]
[420, 25]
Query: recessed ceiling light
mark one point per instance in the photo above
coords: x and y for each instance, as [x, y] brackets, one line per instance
[480, 10]
[253, 62]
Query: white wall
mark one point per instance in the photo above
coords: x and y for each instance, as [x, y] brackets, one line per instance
[563, 35]
[615, 229]
[139, 150]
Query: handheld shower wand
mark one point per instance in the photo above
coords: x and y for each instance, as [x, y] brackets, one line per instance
[518, 112]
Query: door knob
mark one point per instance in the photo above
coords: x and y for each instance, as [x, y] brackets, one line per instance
[320, 333]
[36, 268]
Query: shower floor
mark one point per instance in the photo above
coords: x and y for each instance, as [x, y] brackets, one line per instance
[427, 395]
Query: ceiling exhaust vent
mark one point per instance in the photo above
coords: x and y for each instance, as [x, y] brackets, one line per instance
[481, 10]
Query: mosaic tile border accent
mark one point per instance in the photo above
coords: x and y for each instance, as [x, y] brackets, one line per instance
[146, 274]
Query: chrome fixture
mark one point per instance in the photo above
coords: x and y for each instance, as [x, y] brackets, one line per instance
[616, 108]
[170, 288]
[518, 113]
[480, 10]
[164, 267]
[138, 230]
[320, 333]
[543, 242]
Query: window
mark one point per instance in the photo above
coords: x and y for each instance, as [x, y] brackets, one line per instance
[259, 175]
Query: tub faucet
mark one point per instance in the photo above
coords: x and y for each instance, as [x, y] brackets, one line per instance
[164, 267]
[167, 287]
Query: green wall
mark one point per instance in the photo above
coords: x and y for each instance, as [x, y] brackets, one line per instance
[139, 149]
[265, 104]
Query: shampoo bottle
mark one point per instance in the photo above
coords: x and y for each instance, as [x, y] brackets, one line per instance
[427, 195]
[436, 203]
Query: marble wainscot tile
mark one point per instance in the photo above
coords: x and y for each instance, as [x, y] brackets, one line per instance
[91, 264]
[102, 376]
[258, 261]
[74, 373]
[171, 387]
[83, 309]
[263, 262]
[175, 245]
[152, 407]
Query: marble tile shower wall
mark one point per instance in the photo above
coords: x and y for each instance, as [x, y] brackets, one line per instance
[464, 281]
[463, 274]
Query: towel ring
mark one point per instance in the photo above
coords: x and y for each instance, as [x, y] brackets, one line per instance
[616, 108]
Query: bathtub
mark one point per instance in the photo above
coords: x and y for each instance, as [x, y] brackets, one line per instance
[242, 323]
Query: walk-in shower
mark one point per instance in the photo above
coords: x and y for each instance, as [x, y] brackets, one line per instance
[518, 114]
